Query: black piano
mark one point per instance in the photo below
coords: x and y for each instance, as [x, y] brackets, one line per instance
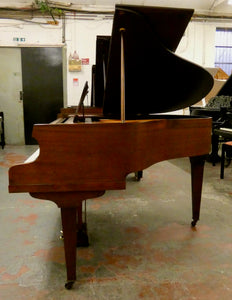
[220, 109]
[217, 105]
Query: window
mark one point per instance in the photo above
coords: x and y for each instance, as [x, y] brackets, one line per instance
[223, 51]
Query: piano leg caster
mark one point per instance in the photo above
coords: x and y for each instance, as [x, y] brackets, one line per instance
[138, 175]
[193, 223]
[82, 236]
[68, 285]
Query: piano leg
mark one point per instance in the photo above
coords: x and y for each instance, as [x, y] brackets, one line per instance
[82, 235]
[197, 169]
[213, 156]
[138, 175]
[70, 204]
[69, 221]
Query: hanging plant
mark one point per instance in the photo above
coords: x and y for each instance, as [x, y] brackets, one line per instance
[45, 8]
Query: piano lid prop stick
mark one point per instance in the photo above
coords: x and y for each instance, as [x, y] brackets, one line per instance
[122, 30]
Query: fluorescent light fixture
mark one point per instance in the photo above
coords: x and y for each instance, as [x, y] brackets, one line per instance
[230, 2]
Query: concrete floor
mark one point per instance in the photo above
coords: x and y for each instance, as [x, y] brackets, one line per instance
[141, 242]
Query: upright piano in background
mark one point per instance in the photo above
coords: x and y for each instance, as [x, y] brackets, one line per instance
[219, 108]
[79, 161]
[215, 111]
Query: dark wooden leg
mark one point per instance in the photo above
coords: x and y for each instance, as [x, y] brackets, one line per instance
[197, 170]
[222, 162]
[70, 204]
[82, 235]
[214, 157]
[69, 221]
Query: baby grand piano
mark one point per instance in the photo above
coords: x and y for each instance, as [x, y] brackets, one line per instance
[97, 156]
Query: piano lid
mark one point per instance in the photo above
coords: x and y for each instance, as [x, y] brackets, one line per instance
[156, 79]
[226, 89]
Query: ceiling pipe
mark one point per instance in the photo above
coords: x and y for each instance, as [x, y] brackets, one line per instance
[211, 17]
[216, 3]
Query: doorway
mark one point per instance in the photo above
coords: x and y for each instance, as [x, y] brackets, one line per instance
[42, 86]
[10, 87]
[31, 89]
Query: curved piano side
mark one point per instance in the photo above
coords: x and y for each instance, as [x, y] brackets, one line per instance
[98, 156]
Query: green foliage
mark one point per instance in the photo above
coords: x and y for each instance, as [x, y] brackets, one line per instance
[45, 8]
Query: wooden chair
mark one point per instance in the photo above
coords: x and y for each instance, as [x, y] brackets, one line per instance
[2, 134]
[227, 146]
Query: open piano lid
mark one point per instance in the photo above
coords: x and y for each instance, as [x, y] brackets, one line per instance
[156, 80]
[226, 89]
